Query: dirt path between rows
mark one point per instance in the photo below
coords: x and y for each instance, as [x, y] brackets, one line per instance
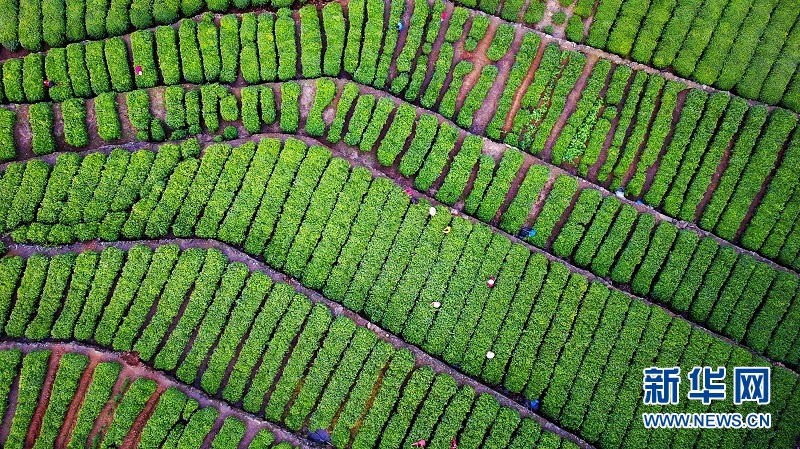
[337, 309]
[369, 158]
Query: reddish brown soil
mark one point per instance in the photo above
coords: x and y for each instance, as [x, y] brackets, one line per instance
[132, 441]
[632, 167]
[486, 112]
[44, 399]
[676, 114]
[757, 200]
[723, 165]
[572, 101]
[72, 412]
[539, 203]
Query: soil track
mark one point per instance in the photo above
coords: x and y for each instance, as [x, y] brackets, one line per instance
[369, 161]
[337, 309]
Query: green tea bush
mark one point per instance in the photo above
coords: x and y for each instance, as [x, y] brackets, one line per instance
[514, 217]
[142, 47]
[380, 115]
[141, 14]
[480, 23]
[251, 120]
[382, 74]
[96, 64]
[210, 106]
[76, 68]
[229, 48]
[522, 63]
[208, 39]
[8, 26]
[419, 17]
[501, 42]
[12, 81]
[30, 20]
[116, 50]
[41, 121]
[266, 47]
[290, 107]
[96, 18]
[73, 112]
[495, 194]
[325, 93]
[397, 134]
[138, 103]
[190, 52]
[269, 110]
[8, 149]
[371, 48]
[460, 170]
[31, 380]
[55, 67]
[286, 44]
[108, 123]
[334, 26]
[175, 113]
[117, 20]
[437, 158]
[33, 77]
[476, 96]
[310, 42]
[166, 11]
[359, 120]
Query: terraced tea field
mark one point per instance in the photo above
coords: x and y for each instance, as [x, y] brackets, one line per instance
[246, 223]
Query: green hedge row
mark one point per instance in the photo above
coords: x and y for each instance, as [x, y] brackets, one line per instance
[625, 118]
[8, 119]
[638, 133]
[558, 199]
[9, 365]
[32, 375]
[658, 134]
[571, 143]
[460, 170]
[759, 165]
[103, 379]
[111, 178]
[742, 45]
[336, 341]
[706, 127]
[517, 213]
[676, 268]
[397, 259]
[578, 222]
[501, 42]
[496, 191]
[522, 62]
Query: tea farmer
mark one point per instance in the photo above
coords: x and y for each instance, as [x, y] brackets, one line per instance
[320, 436]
